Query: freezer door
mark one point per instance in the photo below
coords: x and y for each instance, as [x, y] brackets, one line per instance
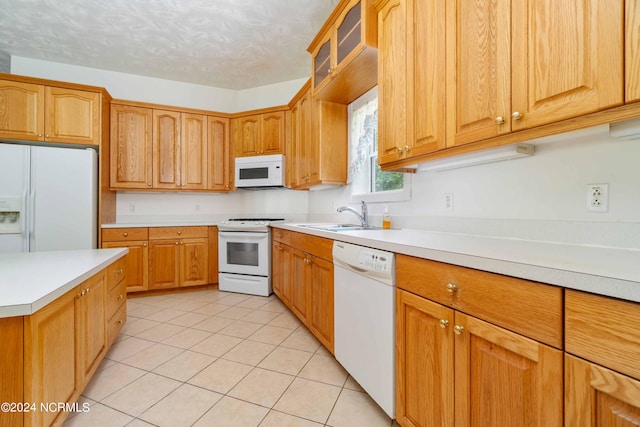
[14, 184]
[63, 199]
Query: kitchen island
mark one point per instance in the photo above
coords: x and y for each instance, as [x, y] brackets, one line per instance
[59, 314]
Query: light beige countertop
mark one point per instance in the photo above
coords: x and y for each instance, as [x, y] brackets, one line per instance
[31, 280]
[603, 270]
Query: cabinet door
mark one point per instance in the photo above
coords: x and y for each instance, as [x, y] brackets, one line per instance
[72, 116]
[164, 264]
[166, 149]
[567, 59]
[426, 76]
[424, 362]
[322, 62]
[137, 263]
[91, 325]
[349, 34]
[502, 378]
[599, 397]
[278, 270]
[478, 69]
[321, 307]
[193, 159]
[632, 51]
[392, 81]
[131, 147]
[303, 139]
[299, 284]
[21, 111]
[219, 159]
[212, 234]
[194, 262]
[247, 135]
[50, 358]
[272, 133]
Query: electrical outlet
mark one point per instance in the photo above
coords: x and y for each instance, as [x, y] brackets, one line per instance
[448, 202]
[132, 207]
[598, 197]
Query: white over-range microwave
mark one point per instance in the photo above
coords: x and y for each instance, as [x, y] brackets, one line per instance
[260, 171]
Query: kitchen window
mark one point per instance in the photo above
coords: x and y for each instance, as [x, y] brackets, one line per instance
[368, 181]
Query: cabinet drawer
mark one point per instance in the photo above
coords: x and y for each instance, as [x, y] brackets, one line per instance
[282, 236]
[318, 246]
[124, 234]
[529, 308]
[116, 272]
[116, 323]
[603, 330]
[177, 232]
[116, 297]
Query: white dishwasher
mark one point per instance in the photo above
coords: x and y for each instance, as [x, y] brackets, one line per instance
[364, 307]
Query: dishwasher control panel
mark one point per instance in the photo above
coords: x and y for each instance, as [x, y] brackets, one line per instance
[374, 260]
[373, 263]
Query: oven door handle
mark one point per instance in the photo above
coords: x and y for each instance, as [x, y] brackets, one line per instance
[243, 235]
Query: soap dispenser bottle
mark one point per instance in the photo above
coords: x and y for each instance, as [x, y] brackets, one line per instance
[386, 218]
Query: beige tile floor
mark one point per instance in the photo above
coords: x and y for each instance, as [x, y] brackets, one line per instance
[212, 358]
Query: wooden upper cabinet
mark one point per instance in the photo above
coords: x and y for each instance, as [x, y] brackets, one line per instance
[21, 111]
[194, 149]
[72, 116]
[247, 135]
[411, 78]
[259, 134]
[319, 141]
[219, 167]
[42, 113]
[272, 133]
[519, 65]
[131, 147]
[632, 51]
[166, 149]
[344, 53]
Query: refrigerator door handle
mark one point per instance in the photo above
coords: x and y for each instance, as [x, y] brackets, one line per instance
[32, 220]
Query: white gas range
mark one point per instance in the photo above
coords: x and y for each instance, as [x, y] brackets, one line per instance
[244, 255]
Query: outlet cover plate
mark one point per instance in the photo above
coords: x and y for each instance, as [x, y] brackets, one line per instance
[598, 197]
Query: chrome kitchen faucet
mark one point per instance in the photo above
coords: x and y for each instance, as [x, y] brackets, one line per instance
[361, 216]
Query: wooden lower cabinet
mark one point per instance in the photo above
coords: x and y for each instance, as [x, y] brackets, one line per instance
[182, 260]
[281, 272]
[136, 239]
[64, 342]
[476, 349]
[166, 257]
[455, 369]
[302, 277]
[599, 397]
[52, 363]
[602, 369]
[424, 362]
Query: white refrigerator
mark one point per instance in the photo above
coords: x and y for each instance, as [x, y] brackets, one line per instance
[48, 198]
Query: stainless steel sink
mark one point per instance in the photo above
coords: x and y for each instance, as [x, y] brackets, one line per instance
[339, 227]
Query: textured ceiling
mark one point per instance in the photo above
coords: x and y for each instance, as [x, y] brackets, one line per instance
[234, 44]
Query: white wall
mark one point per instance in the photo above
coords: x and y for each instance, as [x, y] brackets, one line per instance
[158, 91]
[542, 197]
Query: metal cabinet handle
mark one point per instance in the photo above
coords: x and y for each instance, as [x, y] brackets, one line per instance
[407, 148]
[88, 289]
[400, 150]
[144, 245]
[516, 115]
[119, 322]
[125, 234]
[149, 184]
[179, 232]
[120, 271]
[499, 120]
[443, 323]
[451, 288]
[120, 297]
[458, 329]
